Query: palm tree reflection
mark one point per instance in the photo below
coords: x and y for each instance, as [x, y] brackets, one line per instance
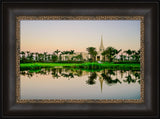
[111, 77]
[129, 79]
[55, 73]
[29, 74]
[107, 77]
[69, 75]
[91, 78]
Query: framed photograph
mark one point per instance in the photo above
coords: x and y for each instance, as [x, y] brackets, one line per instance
[80, 59]
[78, 63]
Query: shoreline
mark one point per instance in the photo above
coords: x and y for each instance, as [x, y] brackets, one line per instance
[88, 65]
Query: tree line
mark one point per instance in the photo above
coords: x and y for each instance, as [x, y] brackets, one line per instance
[109, 54]
[45, 57]
[107, 75]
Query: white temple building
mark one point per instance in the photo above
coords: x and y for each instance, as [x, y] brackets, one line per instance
[85, 55]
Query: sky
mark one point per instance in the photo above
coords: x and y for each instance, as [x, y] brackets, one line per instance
[50, 35]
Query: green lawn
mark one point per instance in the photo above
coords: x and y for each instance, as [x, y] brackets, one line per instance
[95, 65]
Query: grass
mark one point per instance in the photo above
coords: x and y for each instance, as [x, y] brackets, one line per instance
[86, 66]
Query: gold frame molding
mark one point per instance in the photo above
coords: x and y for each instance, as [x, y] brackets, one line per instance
[19, 18]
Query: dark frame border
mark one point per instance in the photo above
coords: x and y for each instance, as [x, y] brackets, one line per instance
[149, 10]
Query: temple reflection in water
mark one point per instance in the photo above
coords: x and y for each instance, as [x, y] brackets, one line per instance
[110, 77]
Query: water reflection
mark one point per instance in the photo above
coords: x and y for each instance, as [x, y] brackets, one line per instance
[109, 76]
[60, 83]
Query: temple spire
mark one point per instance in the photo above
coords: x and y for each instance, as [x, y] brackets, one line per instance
[100, 80]
[101, 45]
[101, 83]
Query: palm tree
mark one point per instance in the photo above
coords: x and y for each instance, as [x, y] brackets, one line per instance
[116, 52]
[31, 57]
[40, 57]
[49, 57]
[28, 53]
[124, 57]
[72, 58]
[36, 58]
[45, 56]
[66, 58]
[62, 53]
[54, 57]
[23, 56]
[111, 53]
[92, 51]
[137, 56]
[22, 53]
[57, 52]
[72, 52]
[129, 53]
[79, 57]
[60, 57]
[94, 55]
[65, 53]
[121, 57]
[104, 53]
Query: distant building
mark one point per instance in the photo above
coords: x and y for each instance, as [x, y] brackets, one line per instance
[85, 55]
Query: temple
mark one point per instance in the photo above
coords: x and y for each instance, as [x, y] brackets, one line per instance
[85, 55]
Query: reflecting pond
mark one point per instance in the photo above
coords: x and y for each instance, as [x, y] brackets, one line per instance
[60, 83]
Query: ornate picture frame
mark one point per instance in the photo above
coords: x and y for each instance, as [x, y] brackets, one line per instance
[19, 18]
[146, 106]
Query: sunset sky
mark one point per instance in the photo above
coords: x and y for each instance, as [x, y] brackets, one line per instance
[49, 35]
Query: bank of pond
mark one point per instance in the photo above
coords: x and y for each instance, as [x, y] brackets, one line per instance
[84, 66]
